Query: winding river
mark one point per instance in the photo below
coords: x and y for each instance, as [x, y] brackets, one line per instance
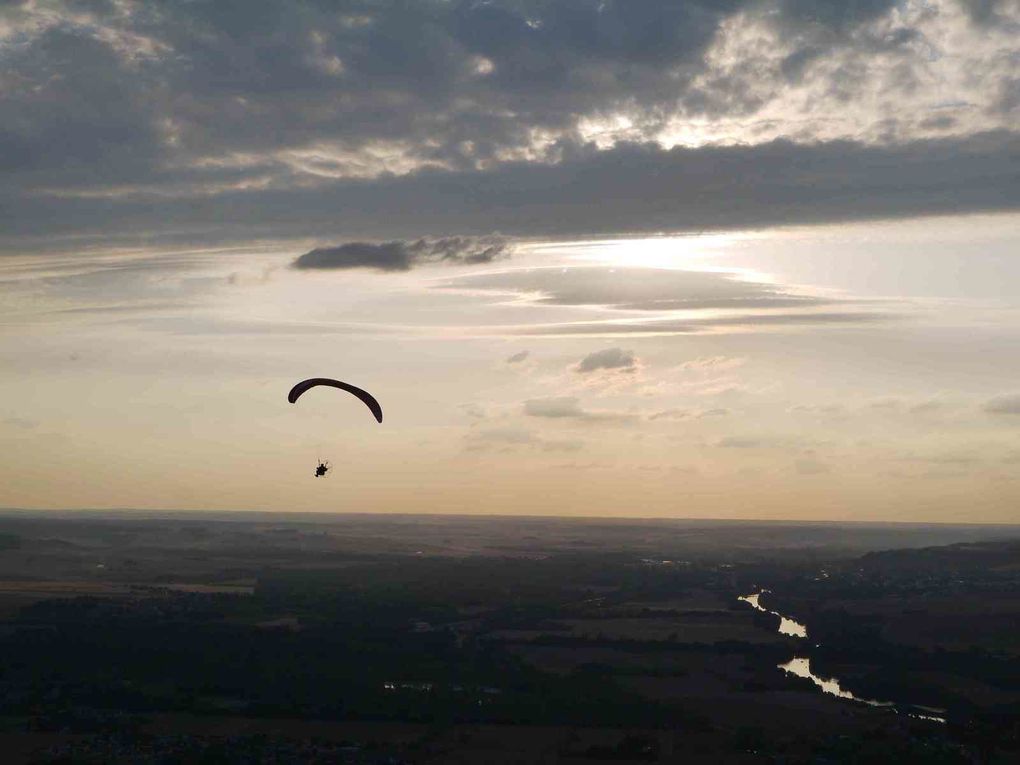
[801, 665]
[787, 626]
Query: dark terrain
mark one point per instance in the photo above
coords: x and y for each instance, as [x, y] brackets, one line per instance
[249, 637]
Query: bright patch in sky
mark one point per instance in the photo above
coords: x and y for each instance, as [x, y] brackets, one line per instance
[800, 395]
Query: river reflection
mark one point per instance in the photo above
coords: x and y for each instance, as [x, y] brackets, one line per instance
[786, 626]
[801, 665]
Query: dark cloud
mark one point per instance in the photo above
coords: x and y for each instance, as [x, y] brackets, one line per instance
[70, 114]
[1009, 95]
[129, 86]
[832, 14]
[220, 121]
[518, 357]
[984, 12]
[402, 256]
[610, 358]
[1008, 403]
[631, 188]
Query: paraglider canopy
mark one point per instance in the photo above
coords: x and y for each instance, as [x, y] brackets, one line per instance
[369, 400]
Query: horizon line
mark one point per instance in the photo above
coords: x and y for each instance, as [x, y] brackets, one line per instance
[494, 516]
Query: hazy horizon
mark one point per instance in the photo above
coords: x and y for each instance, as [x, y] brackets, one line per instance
[168, 513]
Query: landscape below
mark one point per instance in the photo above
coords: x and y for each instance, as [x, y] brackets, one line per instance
[440, 639]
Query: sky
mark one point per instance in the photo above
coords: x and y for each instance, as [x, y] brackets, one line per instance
[716, 259]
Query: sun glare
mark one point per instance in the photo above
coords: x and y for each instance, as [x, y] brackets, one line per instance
[678, 252]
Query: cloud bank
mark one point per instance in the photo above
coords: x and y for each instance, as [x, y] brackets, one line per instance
[212, 122]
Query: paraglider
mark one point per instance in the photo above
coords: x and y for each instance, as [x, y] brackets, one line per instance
[367, 398]
[322, 467]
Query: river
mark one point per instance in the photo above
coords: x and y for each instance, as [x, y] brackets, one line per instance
[786, 626]
[801, 665]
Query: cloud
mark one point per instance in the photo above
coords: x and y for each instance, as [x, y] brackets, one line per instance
[518, 357]
[557, 407]
[983, 12]
[609, 359]
[671, 414]
[652, 291]
[402, 255]
[279, 119]
[514, 439]
[636, 289]
[633, 188]
[1008, 403]
[569, 408]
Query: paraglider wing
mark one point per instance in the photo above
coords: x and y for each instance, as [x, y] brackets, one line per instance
[368, 399]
